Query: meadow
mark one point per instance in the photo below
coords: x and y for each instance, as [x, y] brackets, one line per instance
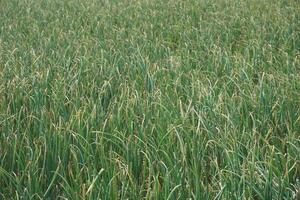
[150, 99]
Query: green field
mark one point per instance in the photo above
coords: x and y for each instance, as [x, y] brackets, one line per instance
[150, 99]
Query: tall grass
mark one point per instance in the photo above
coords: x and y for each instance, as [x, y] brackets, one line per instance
[154, 99]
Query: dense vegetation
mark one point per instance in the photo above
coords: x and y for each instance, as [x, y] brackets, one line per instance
[154, 99]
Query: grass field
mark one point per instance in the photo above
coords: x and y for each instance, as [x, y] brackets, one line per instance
[150, 99]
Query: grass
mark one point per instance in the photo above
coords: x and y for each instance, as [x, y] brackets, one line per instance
[153, 99]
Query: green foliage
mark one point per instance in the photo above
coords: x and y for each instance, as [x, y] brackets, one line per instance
[149, 99]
